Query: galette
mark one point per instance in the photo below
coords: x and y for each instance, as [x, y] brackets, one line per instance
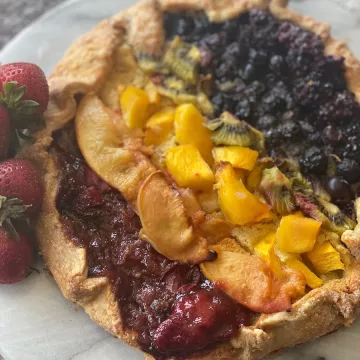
[201, 166]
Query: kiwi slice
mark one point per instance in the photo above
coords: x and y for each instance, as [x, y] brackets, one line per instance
[183, 60]
[276, 188]
[151, 64]
[180, 92]
[177, 90]
[314, 201]
[322, 210]
[228, 130]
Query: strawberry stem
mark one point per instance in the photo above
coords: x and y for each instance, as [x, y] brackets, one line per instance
[11, 209]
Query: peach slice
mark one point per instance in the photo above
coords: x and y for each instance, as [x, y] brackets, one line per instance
[106, 149]
[165, 222]
[236, 202]
[249, 280]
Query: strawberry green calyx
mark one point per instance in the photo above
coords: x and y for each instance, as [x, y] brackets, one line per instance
[11, 209]
[11, 99]
[23, 114]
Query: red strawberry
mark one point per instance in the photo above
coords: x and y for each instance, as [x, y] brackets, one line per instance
[4, 133]
[15, 257]
[32, 77]
[20, 179]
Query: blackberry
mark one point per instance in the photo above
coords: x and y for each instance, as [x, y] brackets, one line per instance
[224, 71]
[349, 170]
[223, 102]
[340, 109]
[214, 42]
[277, 65]
[277, 99]
[289, 130]
[230, 29]
[232, 54]
[332, 69]
[243, 109]
[308, 91]
[207, 57]
[294, 37]
[290, 115]
[249, 72]
[254, 91]
[266, 122]
[298, 64]
[352, 148]
[260, 17]
[258, 58]
[331, 135]
[245, 36]
[273, 138]
[313, 161]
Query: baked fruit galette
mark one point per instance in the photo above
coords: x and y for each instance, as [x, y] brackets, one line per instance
[200, 165]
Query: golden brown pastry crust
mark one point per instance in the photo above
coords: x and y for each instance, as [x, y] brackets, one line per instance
[83, 70]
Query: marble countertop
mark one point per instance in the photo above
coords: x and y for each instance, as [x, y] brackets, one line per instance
[16, 15]
[36, 322]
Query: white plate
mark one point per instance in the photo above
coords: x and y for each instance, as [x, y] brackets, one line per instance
[36, 322]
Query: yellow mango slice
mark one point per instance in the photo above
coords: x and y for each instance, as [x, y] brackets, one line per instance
[165, 221]
[237, 204]
[325, 258]
[311, 279]
[188, 168]
[248, 279]
[265, 249]
[238, 156]
[190, 129]
[135, 106]
[159, 127]
[297, 234]
[152, 93]
[254, 178]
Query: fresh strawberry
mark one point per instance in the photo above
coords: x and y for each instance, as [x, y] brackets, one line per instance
[20, 179]
[4, 133]
[30, 76]
[15, 257]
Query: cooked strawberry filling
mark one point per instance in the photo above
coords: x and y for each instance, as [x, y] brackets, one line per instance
[171, 306]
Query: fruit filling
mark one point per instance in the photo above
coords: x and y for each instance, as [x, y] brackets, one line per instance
[275, 75]
[227, 183]
[171, 306]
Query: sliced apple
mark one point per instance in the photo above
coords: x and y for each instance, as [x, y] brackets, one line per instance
[249, 280]
[106, 150]
[165, 222]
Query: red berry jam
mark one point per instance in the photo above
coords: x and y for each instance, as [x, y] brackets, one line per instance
[171, 306]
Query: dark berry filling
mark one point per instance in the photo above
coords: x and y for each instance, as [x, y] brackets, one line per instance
[171, 306]
[275, 75]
